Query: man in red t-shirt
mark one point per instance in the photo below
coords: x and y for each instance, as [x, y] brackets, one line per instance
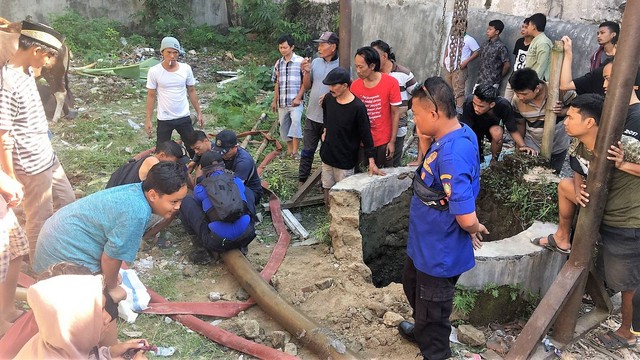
[380, 93]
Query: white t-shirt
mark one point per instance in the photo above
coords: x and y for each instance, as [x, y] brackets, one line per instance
[470, 46]
[171, 87]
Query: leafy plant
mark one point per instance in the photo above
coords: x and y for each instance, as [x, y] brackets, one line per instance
[464, 299]
[99, 37]
[165, 17]
[530, 200]
[261, 16]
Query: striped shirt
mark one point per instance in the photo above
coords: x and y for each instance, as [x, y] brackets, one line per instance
[289, 77]
[407, 83]
[22, 115]
[534, 116]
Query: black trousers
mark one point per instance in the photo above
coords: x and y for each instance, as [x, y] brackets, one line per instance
[431, 299]
[182, 125]
[310, 136]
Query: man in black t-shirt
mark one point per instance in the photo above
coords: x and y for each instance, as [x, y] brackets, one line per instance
[485, 112]
[520, 52]
[346, 126]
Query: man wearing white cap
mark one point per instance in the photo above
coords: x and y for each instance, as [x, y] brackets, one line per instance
[172, 83]
[26, 154]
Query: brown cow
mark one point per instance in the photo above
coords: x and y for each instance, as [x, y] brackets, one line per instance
[56, 76]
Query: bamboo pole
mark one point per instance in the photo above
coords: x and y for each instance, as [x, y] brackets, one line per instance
[553, 95]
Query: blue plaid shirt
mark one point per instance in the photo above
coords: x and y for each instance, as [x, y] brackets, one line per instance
[289, 76]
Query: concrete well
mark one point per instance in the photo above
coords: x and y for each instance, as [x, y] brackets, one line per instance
[369, 222]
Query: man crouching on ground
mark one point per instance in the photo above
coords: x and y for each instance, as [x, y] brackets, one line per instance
[218, 212]
[104, 229]
[443, 226]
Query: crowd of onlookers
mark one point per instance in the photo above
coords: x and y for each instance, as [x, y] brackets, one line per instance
[361, 125]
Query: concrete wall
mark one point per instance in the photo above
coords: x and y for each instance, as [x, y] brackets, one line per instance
[413, 29]
[594, 11]
[204, 11]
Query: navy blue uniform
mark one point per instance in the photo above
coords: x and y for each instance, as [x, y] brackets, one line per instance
[243, 165]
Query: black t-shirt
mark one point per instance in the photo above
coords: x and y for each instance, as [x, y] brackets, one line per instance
[590, 83]
[128, 173]
[520, 52]
[347, 126]
[502, 111]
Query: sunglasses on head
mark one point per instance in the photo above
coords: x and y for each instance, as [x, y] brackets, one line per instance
[431, 98]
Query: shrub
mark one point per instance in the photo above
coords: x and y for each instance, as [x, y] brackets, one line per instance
[99, 37]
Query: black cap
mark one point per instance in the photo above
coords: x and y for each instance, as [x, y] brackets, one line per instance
[337, 76]
[328, 37]
[225, 140]
[43, 34]
[211, 158]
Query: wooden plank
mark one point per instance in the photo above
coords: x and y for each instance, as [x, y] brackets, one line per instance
[595, 288]
[305, 188]
[308, 201]
[246, 140]
[553, 95]
[546, 312]
[294, 225]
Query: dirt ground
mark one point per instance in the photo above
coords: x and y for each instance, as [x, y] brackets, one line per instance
[333, 293]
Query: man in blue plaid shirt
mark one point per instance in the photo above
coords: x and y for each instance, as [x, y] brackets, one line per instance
[288, 94]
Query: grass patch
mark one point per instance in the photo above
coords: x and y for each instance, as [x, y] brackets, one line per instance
[529, 201]
[189, 345]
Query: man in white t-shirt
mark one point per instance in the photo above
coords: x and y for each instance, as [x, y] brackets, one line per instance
[457, 78]
[172, 83]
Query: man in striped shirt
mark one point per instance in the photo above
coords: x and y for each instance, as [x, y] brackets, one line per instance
[288, 94]
[26, 153]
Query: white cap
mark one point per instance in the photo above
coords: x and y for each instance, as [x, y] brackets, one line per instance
[170, 42]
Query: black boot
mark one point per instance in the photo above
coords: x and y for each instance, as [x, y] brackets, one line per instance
[406, 330]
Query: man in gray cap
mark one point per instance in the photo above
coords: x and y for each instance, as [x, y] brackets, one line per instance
[326, 61]
[172, 83]
[26, 154]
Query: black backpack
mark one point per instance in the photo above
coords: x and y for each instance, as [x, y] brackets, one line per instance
[225, 197]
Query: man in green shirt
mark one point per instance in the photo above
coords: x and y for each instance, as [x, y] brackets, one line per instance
[539, 53]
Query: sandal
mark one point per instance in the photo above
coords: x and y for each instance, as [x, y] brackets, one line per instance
[551, 245]
[613, 341]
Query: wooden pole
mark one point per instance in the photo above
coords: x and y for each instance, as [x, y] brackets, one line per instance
[553, 95]
[611, 126]
[614, 115]
[255, 127]
[345, 34]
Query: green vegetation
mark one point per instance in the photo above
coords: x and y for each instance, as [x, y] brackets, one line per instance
[464, 300]
[530, 201]
[92, 40]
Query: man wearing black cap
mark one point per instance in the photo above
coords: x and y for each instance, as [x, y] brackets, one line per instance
[346, 126]
[26, 153]
[199, 212]
[326, 61]
[239, 161]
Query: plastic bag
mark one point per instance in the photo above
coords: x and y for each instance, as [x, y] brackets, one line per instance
[137, 296]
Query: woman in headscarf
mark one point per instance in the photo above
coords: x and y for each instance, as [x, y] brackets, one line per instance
[71, 312]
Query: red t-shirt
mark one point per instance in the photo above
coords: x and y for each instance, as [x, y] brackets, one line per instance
[378, 101]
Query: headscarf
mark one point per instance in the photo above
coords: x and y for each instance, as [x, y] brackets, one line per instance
[68, 310]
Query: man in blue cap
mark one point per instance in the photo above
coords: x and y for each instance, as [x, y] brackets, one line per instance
[172, 83]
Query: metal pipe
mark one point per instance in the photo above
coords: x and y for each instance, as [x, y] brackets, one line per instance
[320, 339]
[614, 115]
[345, 34]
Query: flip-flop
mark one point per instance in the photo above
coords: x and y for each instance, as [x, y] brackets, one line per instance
[551, 245]
[613, 341]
